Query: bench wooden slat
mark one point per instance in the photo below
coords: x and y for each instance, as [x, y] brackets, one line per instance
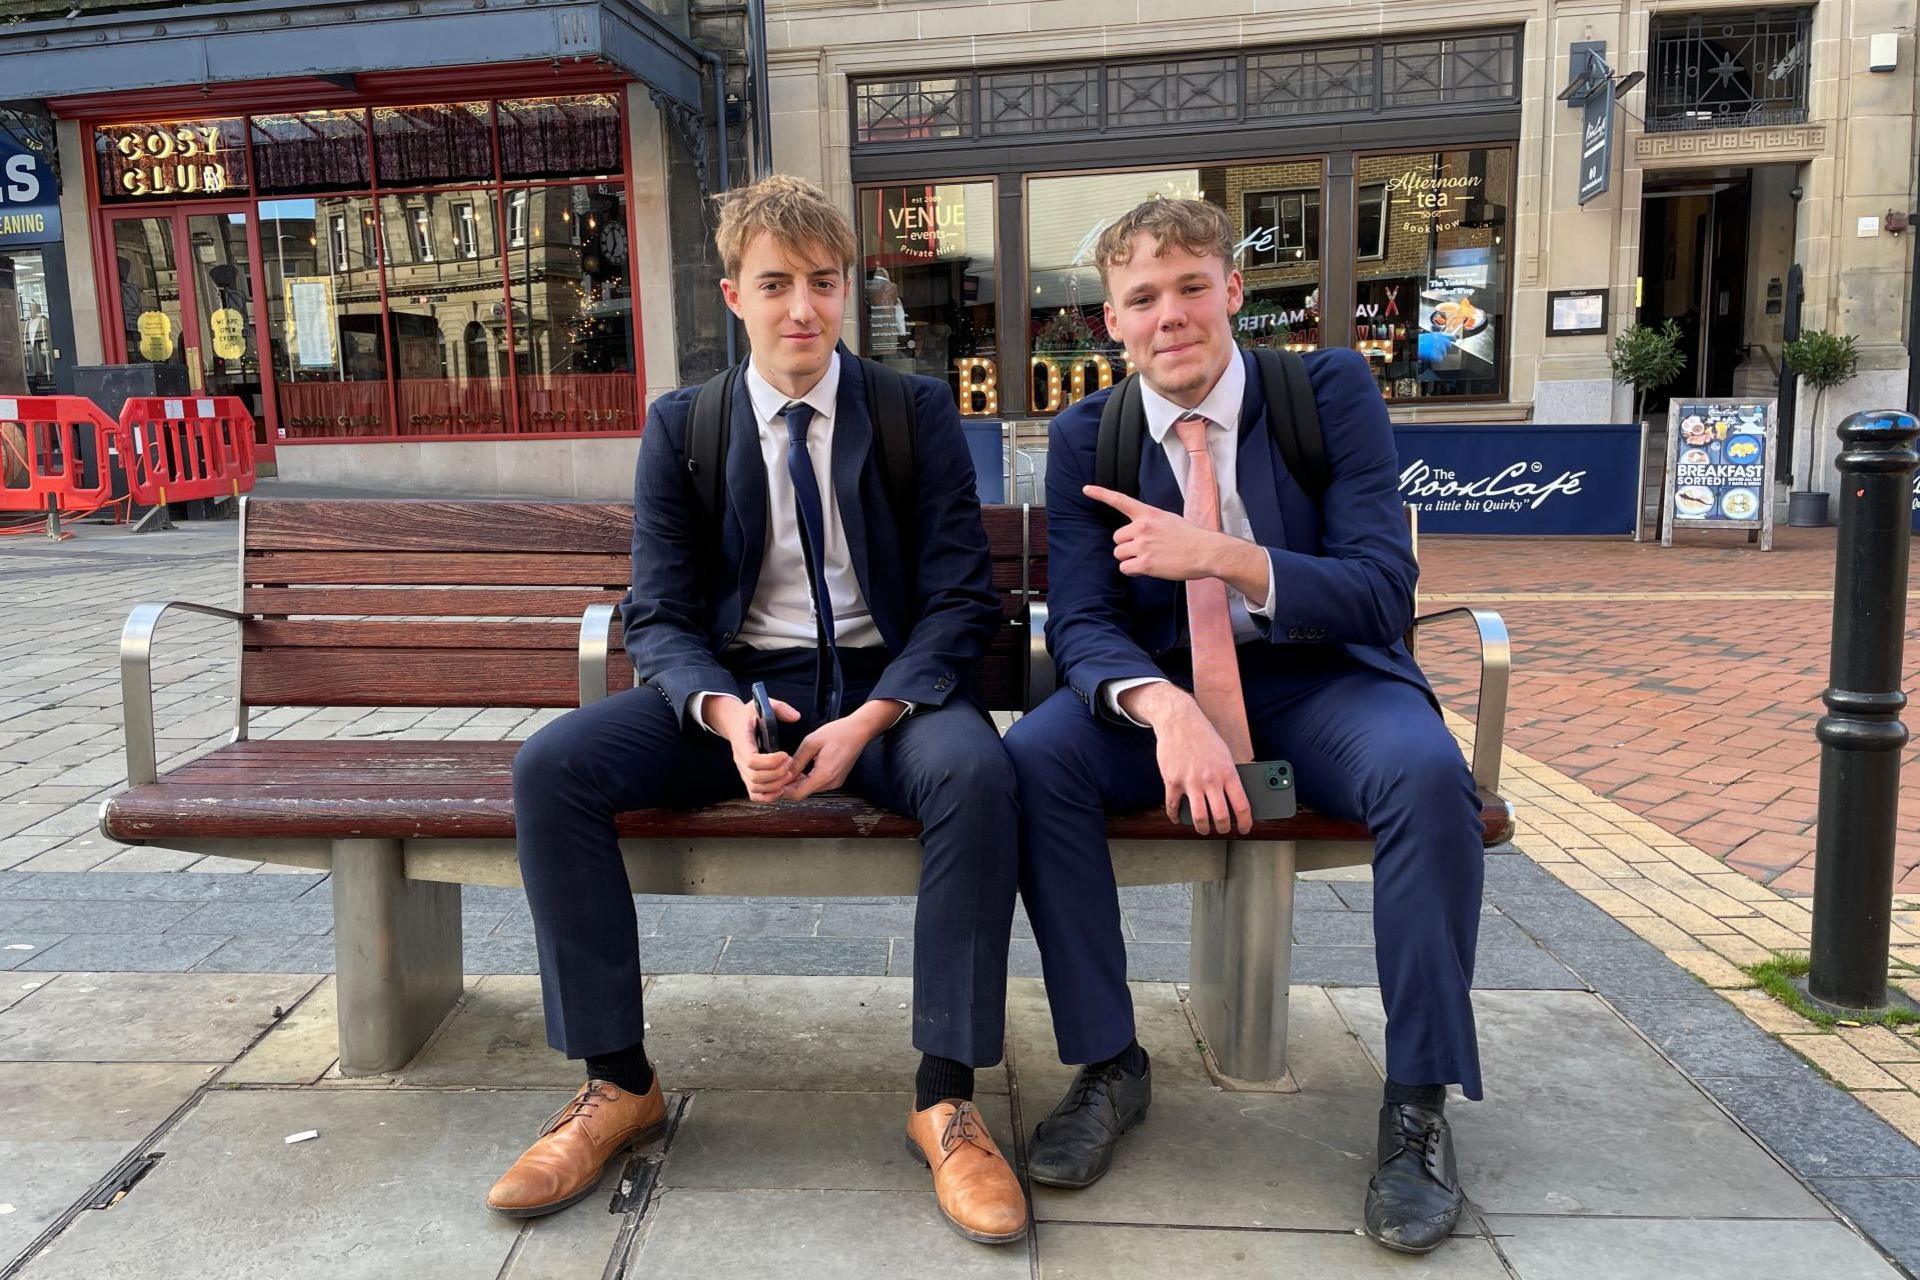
[452, 569]
[427, 524]
[301, 677]
[281, 788]
[454, 602]
[414, 635]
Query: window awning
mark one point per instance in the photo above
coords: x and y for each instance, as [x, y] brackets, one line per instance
[218, 48]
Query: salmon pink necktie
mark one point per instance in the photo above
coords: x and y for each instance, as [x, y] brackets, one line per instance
[1216, 667]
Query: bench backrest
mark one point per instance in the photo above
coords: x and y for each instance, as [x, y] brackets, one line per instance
[425, 603]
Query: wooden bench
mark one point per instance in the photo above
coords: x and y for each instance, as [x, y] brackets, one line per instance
[512, 604]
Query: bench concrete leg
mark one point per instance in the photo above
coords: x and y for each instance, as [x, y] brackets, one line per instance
[1242, 946]
[397, 958]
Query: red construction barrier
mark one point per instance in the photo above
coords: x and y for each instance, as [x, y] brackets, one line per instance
[177, 449]
[54, 447]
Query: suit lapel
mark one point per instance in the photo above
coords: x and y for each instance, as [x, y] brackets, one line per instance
[852, 443]
[1255, 464]
[747, 489]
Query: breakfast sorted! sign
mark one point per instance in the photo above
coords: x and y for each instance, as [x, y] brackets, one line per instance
[1719, 467]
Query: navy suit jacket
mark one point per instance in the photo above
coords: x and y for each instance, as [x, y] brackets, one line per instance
[691, 591]
[1343, 568]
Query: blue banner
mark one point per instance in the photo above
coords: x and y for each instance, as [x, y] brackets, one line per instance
[29, 195]
[1521, 480]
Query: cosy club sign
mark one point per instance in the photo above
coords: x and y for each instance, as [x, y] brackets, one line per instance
[187, 158]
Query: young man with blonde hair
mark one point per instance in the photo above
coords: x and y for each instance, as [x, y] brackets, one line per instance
[1235, 611]
[783, 550]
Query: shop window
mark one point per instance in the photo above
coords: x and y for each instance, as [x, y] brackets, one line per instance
[1430, 312]
[572, 137]
[28, 366]
[308, 151]
[516, 218]
[927, 286]
[445, 317]
[1279, 259]
[337, 240]
[465, 234]
[1370, 222]
[325, 345]
[423, 146]
[1729, 70]
[573, 313]
[181, 160]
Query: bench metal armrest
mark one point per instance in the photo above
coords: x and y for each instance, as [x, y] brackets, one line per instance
[136, 683]
[1042, 679]
[1490, 717]
[595, 623]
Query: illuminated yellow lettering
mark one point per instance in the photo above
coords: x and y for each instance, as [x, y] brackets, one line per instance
[979, 387]
[1046, 374]
[212, 134]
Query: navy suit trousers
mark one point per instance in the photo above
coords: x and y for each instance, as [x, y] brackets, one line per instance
[1363, 745]
[942, 765]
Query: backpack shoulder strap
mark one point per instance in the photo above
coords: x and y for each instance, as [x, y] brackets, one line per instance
[709, 428]
[1294, 419]
[1116, 451]
[895, 440]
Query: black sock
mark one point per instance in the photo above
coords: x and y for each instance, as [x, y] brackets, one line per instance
[939, 1079]
[1420, 1095]
[626, 1069]
[1132, 1060]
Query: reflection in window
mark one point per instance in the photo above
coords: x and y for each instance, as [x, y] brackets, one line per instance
[337, 240]
[927, 272]
[447, 317]
[323, 318]
[1370, 221]
[150, 312]
[466, 237]
[573, 312]
[573, 137]
[418, 146]
[1275, 212]
[306, 151]
[1430, 308]
[516, 218]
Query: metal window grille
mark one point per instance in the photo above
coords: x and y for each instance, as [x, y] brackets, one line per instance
[1446, 72]
[1310, 82]
[1717, 71]
[915, 110]
[1053, 101]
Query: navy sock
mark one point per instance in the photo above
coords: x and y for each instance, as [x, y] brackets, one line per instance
[1132, 1059]
[626, 1069]
[1420, 1095]
[939, 1079]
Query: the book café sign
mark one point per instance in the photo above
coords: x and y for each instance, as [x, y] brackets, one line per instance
[179, 159]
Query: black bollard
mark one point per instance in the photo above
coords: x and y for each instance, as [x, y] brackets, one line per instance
[1861, 735]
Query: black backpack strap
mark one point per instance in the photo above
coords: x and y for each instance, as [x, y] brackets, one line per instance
[1116, 451]
[709, 428]
[896, 449]
[1294, 419]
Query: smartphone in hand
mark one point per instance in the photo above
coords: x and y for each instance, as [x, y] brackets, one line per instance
[766, 730]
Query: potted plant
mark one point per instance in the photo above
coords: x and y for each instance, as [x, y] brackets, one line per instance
[1821, 360]
[1646, 358]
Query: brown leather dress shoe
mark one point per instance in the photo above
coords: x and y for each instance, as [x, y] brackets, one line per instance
[575, 1144]
[976, 1189]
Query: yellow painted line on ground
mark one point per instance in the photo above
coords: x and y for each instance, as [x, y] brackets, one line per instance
[1706, 917]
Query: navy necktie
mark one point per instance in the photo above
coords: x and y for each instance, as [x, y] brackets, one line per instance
[813, 541]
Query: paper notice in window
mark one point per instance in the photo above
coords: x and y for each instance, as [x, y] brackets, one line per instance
[310, 317]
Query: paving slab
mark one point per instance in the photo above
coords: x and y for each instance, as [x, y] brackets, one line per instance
[826, 957]
[301, 953]
[126, 952]
[18, 948]
[394, 1185]
[1816, 1128]
[1071, 1251]
[735, 1141]
[1558, 1248]
[769, 1033]
[575, 1243]
[1583, 1118]
[18, 986]
[1883, 1208]
[497, 1037]
[1630, 970]
[299, 1048]
[1711, 1038]
[822, 1235]
[277, 919]
[1160, 1025]
[52, 1151]
[134, 1017]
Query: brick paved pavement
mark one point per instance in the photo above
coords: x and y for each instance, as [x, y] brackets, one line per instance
[1682, 684]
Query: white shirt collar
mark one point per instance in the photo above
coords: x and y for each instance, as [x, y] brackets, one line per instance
[767, 402]
[1221, 407]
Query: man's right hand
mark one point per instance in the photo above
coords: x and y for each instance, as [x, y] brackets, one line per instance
[1195, 763]
[766, 774]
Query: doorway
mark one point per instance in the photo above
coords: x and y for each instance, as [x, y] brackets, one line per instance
[185, 296]
[1693, 271]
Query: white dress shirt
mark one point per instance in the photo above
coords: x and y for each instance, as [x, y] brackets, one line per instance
[780, 616]
[1221, 409]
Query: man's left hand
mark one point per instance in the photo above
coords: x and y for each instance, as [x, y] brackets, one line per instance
[825, 757]
[1160, 544]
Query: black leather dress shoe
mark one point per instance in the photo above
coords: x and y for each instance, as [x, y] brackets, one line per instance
[1414, 1199]
[1074, 1145]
